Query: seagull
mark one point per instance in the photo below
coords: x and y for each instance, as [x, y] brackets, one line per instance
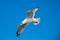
[29, 19]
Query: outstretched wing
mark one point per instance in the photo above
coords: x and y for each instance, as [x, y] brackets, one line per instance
[20, 28]
[31, 13]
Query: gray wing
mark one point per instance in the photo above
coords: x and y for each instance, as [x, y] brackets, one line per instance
[21, 27]
[31, 13]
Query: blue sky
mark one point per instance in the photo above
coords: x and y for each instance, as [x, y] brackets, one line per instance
[12, 12]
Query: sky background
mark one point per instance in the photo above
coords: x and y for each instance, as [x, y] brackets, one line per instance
[13, 12]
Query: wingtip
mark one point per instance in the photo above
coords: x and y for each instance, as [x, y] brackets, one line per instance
[17, 34]
[37, 7]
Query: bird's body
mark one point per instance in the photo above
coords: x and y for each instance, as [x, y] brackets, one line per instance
[30, 18]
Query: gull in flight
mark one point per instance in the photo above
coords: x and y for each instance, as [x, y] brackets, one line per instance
[30, 19]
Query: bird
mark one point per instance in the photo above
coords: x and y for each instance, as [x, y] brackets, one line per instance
[29, 19]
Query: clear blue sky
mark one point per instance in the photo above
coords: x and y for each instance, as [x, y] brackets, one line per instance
[12, 12]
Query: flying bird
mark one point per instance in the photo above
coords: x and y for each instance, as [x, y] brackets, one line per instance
[29, 19]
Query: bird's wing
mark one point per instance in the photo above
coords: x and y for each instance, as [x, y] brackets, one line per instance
[31, 13]
[20, 28]
[35, 9]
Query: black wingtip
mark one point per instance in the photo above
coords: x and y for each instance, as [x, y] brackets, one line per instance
[38, 7]
[17, 34]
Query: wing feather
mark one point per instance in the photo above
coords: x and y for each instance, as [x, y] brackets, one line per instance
[20, 28]
[30, 14]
